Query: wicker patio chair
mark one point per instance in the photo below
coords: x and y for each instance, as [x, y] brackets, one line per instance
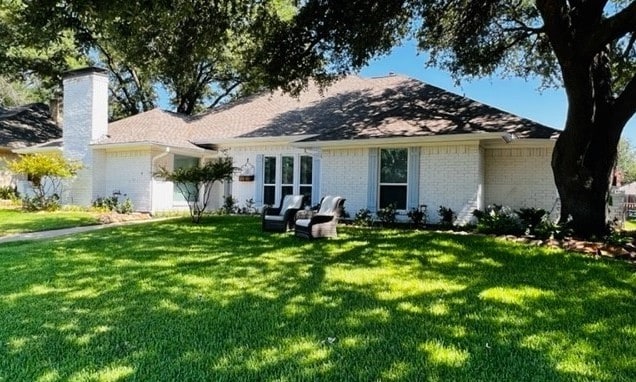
[281, 218]
[324, 222]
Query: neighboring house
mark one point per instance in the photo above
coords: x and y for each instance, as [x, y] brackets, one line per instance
[373, 141]
[21, 127]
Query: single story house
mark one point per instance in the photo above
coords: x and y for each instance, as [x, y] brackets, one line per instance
[21, 127]
[373, 141]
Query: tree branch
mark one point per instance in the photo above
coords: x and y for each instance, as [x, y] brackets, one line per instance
[612, 29]
[555, 15]
[227, 92]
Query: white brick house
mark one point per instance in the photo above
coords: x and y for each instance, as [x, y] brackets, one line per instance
[372, 141]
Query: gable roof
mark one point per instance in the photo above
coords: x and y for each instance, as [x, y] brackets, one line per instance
[27, 125]
[353, 108]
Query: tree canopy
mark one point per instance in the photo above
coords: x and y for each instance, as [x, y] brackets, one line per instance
[200, 52]
[626, 161]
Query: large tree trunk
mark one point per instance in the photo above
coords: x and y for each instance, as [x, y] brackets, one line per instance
[582, 163]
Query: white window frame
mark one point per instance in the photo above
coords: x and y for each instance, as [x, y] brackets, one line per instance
[405, 184]
[278, 186]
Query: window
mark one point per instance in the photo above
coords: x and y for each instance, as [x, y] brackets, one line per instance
[306, 167]
[269, 180]
[286, 175]
[393, 177]
[182, 162]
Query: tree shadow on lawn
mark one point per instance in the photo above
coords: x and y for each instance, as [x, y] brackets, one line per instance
[224, 301]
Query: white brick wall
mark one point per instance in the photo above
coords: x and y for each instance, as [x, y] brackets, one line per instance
[520, 177]
[463, 177]
[451, 176]
[129, 173]
[345, 173]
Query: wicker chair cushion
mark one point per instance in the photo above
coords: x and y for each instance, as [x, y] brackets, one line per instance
[303, 222]
[274, 217]
[327, 207]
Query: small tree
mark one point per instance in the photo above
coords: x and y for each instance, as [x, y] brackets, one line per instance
[195, 183]
[626, 160]
[46, 172]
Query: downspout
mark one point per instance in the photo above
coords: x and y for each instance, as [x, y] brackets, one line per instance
[152, 178]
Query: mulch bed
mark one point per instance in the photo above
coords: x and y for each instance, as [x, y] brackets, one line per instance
[626, 252]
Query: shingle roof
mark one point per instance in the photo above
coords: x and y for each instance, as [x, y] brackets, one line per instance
[154, 126]
[352, 108]
[26, 126]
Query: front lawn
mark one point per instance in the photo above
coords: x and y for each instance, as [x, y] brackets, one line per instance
[221, 301]
[18, 221]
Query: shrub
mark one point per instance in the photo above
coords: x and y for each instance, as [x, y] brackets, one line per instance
[229, 206]
[112, 204]
[531, 217]
[446, 216]
[498, 220]
[417, 216]
[8, 192]
[363, 218]
[387, 214]
[46, 173]
[249, 208]
[547, 229]
[125, 207]
[105, 203]
[41, 203]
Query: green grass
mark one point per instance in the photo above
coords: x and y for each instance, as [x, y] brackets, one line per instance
[173, 301]
[630, 225]
[17, 221]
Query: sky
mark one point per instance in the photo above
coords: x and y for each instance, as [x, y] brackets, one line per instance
[515, 95]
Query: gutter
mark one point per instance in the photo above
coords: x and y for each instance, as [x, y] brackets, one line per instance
[401, 141]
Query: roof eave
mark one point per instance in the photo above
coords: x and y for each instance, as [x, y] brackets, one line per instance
[195, 151]
[254, 141]
[37, 150]
[402, 141]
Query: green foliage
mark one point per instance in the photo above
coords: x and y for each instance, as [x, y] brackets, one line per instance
[15, 93]
[498, 220]
[46, 173]
[626, 160]
[446, 216]
[9, 192]
[418, 216]
[387, 214]
[41, 203]
[112, 203]
[531, 217]
[363, 218]
[202, 53]
[195, 183]
[549, 229]
[229, 206]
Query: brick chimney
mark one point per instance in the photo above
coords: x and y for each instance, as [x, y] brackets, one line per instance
[85, 119]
